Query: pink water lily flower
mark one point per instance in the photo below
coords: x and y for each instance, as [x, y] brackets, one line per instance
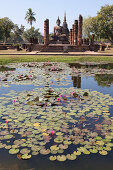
[52, 132]
[58, 99]
[14, 101]
[84, 125]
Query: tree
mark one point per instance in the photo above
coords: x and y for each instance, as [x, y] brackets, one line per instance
[87, 27]
[6, 26]
[30, 16]
[101, 25]
[104, 19]
[16, 34]
[32, 33]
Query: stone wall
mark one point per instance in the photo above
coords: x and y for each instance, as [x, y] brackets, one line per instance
[70, 48]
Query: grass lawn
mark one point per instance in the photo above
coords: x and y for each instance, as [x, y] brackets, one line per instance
[5, 59]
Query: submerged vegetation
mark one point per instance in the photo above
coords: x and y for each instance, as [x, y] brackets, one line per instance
[54, 118]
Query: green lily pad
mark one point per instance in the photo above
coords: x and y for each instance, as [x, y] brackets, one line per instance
[71, 156]
[26, 156]
[61, 158]
[52, 158]
[103, 152]
[13, 151]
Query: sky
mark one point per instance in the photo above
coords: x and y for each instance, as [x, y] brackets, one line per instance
[51, 9]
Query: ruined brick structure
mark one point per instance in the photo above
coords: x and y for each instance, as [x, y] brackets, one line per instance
[73, 34]
[76, 32]
[46, 32]
[62, 38]
[70, 36]
[80, 30]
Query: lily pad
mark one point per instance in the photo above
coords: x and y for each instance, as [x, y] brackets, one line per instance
[61, 158]
[13, 151]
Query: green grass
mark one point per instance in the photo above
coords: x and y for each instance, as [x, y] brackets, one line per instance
[5, 59]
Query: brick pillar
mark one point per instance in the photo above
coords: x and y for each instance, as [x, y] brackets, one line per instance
[76, 32]
[80, 30]
[73, 34]
[46, 32]
[70, 36]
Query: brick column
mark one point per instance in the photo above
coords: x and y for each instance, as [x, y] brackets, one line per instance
[80, 30]
[73, 34]
[70, 36]
[46, 32]
[76, 32]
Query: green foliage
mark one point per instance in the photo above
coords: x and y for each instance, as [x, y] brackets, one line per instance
[32, 33]
[104, 19]
[30, 16]
[101, 25]
[87, 27]
[16, 34]
[6, 25]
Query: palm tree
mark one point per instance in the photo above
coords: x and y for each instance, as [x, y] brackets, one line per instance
[30, 16]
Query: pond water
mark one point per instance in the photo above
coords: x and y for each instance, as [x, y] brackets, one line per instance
[56, 116]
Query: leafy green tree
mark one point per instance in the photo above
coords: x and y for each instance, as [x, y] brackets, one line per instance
[16, 34]
[1, 33]
[87, 27]
[101, 25]
[104, 20]
[30, 17]
[6, 26]
[32, 33]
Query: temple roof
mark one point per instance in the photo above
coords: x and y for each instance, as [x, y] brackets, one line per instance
[65, 22]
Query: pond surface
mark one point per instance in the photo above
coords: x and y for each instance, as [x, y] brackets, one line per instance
[56, 116]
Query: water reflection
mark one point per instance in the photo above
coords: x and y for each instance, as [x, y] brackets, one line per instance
[3, 68]
[41, 162]
[76, 81]
[104, 79]
[107, 66]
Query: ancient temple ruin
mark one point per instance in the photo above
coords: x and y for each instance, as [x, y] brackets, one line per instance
[65, 40]
[61, 33]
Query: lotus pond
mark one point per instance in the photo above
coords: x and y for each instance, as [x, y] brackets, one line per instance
[56, 116]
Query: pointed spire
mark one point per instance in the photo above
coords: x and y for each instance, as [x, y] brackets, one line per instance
[65, 16]
[58, 21]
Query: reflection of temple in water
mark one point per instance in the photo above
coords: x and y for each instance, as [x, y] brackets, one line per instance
[76, 81]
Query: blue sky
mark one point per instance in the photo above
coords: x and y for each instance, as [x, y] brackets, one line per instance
[51, 9]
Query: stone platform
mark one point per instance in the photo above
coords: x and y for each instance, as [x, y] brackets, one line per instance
[65, 48]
